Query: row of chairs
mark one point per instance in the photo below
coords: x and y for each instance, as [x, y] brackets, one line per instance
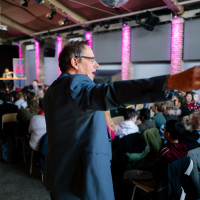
[8, 120]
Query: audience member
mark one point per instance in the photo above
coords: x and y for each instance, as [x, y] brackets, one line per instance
[190, 136]
[37, 128]
[171, 151]
[110, 124]
[127, 126]
[185, 110]
[158, 116]
[146, 122]
[196, 98]
[20, 101]
[35, 86]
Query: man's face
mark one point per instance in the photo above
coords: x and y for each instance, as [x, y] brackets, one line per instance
[87, 66]
[6, 70]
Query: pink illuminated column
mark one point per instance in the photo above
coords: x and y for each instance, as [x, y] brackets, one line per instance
[125, 52]
[20, 52]
[37, 60]
[176, 45]
[88, 36]
[59, 49]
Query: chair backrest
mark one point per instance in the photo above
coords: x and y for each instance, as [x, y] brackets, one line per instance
[9, 117]
[118, 120]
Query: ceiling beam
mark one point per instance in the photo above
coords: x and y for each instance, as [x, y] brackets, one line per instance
[64, 10]
[173, 5]
[15, 25]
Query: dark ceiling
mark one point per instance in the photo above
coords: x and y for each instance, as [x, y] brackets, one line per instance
[28, 21]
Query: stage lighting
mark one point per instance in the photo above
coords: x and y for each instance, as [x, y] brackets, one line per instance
[24, 3]
[62, 21]
[51, 14]
[150, 22]
[106, 25]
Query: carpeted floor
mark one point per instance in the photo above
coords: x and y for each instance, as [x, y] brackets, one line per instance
[16, 183]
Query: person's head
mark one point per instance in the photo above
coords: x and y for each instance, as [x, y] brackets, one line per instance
[157, 107]
[41, 103]
[188, 97]
[6, 70]
[78, 58]
[178, 100]
[35, 83]
[173, 130]
[32, 102]
[130, 114]
[195, 120]
[196, 97]
[187, 123]
[145, 114]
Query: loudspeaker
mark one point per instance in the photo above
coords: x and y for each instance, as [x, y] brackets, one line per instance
[49, 47]
[49, 52]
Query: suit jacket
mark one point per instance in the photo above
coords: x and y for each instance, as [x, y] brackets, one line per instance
[79, 151]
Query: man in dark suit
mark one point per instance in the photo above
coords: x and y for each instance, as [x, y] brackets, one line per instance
[79, 149]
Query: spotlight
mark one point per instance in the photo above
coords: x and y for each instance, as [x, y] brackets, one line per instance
[24, 3]
[124, 23]
[150, 22]
[51, 14]
[62, 21]
[106, 25]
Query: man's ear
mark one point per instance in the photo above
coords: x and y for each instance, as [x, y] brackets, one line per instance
[74, 63]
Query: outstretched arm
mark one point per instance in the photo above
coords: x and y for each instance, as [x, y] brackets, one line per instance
[185, 81]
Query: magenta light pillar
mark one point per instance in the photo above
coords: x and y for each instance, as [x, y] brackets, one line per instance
[37, 60]
[59, 49]
[125, 52]
[88, 36]
[20, 52]
[176, 45]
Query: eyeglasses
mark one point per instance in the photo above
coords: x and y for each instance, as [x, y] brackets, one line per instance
[87, 57]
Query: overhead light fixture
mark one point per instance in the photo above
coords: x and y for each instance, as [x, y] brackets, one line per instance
[24, 3]
[62, 21]
[106, 25]
[150, 22]
[3, 27]
[51, 14]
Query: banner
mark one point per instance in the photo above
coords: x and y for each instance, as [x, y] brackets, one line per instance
[18, 72]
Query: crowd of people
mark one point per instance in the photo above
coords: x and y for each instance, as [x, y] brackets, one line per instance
[80, 163]
[171, 129]
[177, 121]
[27, 102]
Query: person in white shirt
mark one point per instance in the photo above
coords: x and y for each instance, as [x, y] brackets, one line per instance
[20, 102]
[127, 126]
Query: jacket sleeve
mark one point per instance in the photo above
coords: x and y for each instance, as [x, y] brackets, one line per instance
[117, 94]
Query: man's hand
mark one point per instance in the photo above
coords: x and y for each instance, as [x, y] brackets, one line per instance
[185, 81]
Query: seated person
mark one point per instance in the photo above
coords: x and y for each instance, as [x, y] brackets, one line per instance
[171, 151]
[20, 101]
[191, 135]
[146, 122]
[37, 128]
[127, 126]
[158, 116]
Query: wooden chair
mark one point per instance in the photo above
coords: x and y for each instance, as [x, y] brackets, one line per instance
[186, 168]
[9, 117]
